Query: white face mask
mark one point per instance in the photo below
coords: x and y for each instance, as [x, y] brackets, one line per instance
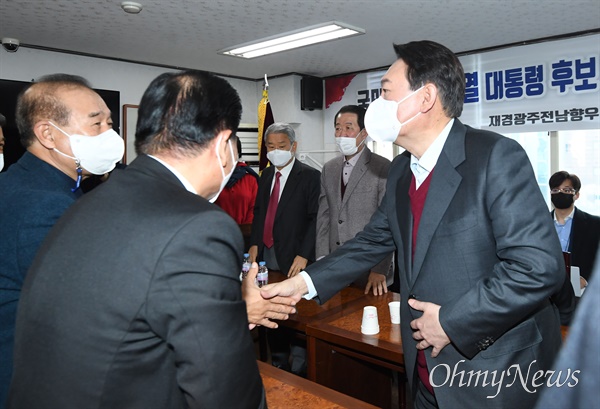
[381, 119]
[225, 177]
[347, 145]
[1, 161]
[96, 154]
[279, 157]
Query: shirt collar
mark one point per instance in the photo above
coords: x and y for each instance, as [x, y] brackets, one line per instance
[285, 171]
[188, 186]
[421, 168]
[570, 216]
[352, 161]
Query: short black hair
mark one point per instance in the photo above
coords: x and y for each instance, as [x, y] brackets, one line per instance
[2, 121]
[183, 111]
[430, 62]
[352, 109]
[40, 100]
[559, 177]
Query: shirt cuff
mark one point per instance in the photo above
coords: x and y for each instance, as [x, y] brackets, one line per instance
[312, 291]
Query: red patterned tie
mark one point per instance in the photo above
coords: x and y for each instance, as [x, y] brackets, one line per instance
[271, 210]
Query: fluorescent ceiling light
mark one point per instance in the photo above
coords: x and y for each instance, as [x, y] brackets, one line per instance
[294, 39]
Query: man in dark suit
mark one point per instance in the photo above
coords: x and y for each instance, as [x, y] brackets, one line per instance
[478, 258]
[57, 116]
[284, 226]
[352, 187]
[578, 231]
[134, 299]
[290, 236]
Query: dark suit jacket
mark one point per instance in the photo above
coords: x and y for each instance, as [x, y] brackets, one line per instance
[33, 195]
[134, 301]
[486, 253]
[584, 241]
[294, 230]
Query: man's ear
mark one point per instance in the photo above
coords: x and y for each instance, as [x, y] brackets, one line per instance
[45, 133]
[430, 94]
[223, 146]
[364, 134]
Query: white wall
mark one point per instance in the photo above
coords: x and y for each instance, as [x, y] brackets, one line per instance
[132, 79]
[284, 94]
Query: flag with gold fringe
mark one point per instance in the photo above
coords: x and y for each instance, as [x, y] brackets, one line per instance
[265, 119]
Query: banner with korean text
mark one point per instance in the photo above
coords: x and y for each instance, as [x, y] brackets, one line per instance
[547, 86]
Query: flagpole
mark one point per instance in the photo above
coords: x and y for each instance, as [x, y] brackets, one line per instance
[265, 119]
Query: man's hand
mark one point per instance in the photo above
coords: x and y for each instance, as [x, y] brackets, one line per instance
[253, 252]
[582, 282]
[298, 265]
[294, 287]
[377, 282]
[427, 329]
[261, 311]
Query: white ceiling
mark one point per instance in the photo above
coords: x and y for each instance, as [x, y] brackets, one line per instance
[188, 33]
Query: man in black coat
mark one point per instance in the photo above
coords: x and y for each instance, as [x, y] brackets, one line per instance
[578, 231]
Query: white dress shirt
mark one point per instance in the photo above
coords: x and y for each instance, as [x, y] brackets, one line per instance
[285, 174]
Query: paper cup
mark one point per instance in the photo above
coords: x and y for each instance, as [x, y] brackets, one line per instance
[370, 322]
[395, 311]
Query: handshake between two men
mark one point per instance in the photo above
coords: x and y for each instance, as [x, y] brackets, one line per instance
[263, 309]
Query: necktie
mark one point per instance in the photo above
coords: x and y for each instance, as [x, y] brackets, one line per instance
[271, 210]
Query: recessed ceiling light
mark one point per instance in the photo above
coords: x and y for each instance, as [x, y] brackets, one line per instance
[293, 39]
[131, 7]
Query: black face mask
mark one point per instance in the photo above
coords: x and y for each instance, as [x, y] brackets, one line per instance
[562, 200]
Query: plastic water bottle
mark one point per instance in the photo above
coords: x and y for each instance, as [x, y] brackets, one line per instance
[262, 278]
[246, 265]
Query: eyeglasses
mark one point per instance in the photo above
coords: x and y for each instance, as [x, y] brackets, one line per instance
[567, 190]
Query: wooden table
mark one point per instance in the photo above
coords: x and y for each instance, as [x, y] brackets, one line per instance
[342, 358]
[288, 391]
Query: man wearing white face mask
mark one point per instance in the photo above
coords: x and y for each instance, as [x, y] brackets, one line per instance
[284, 226]
[286, 239]
[479, 259]
[352, 187]
[38, 188]
[135, 299]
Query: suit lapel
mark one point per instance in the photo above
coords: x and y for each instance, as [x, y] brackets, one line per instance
[405, 219]
[290, 185]
[444, 184]
[335, 180]
[268, 175]
[357, 173]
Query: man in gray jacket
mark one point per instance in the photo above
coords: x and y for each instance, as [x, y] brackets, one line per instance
[352, 187]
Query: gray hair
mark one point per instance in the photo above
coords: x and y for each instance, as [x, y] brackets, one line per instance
[281, 127]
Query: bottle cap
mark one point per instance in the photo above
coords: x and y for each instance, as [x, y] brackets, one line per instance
[262, 263]
[246, 255]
